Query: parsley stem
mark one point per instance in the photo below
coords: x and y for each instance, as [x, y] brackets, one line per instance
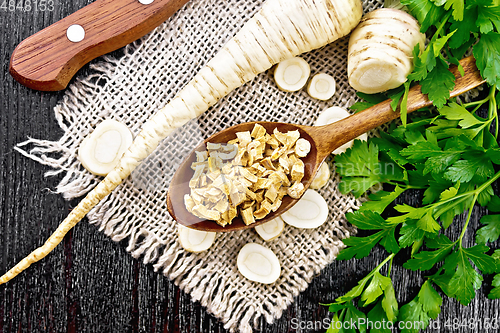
[440, 27]
[341, 317]
[377, 269]
[405, 186]
[469, 214]
[476, 193]
[464, 196]
[481, 102]
[390, 267]
[488, 183]
[383, 263]
[493, 109]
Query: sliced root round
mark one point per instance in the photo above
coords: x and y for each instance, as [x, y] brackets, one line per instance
[309, 212]
[258, 263]
[321, 86]
[101, 150]
[195, 241]
[321, 178]
[331, 115]
[270, 230]
[292, 74]
[381, 50]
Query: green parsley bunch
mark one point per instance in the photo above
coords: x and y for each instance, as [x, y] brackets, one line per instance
[452, 155]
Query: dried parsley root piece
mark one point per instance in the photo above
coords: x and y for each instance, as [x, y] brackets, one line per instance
[270, 230]
[101, 150]
[334, 114]
[322, 177]
[321, 86]
[258, 263]
[311, 211]
[292, 74]
[195, 241]
[248, 175]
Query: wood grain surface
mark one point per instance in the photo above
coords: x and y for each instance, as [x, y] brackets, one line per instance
[89, 283]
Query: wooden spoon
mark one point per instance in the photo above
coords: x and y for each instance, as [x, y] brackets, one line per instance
[323, 139]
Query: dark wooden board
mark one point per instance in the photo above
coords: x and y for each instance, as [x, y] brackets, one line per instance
[89, 283]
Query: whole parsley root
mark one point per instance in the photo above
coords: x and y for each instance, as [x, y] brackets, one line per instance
[281, 29]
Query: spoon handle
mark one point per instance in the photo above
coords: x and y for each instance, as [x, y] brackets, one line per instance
[332, 136]
[48, 59]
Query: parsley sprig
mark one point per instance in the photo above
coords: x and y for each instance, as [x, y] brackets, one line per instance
[453, 158]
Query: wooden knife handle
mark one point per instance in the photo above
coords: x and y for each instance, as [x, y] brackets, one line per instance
[48, 59]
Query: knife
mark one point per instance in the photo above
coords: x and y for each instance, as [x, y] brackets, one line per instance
[48, 59]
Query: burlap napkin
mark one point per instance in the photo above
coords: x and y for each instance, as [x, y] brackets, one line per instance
[130, 89]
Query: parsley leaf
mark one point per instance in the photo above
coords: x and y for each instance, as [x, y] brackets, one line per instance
[377, 314]
[475, 165]
[487, 18]
[491, 231]
[465, 279]
[453, 111]
[487, 54]
[359, 247]
[360, 168]
[376, 288]
[458, 8]
[368, 220]
[410, 233]
[495, 292]
[354, 292]
[389, 302]
[426, 12]
[424, 217]
[483, 262]
[419, 310]
[380, 200]
[438, 83]
[494, 204]
[463, 28]
[425, 260]
[430, 300]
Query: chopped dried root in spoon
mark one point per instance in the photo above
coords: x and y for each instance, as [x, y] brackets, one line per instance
[321, 86]
[292, 74]
[249, 175]
[309, 212]
[321, 178]
[195, 241]
[102, 149]
[331, 115]
[258, 263]
[270, 230]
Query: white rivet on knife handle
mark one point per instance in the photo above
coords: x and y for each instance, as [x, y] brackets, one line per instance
[146, 2]
[75, 33]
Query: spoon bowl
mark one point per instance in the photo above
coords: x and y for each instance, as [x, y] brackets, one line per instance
[179, 185]
[323, 139]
